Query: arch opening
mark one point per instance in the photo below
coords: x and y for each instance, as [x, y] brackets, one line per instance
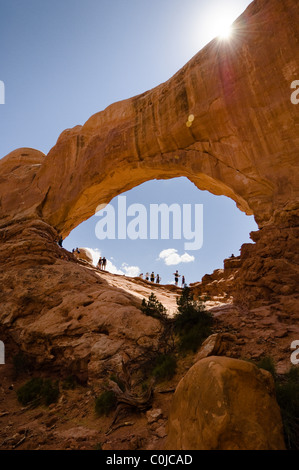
[146, 229]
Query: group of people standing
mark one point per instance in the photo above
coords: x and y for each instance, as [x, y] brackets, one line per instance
[148, 277]
[152, 277]
[102, 263]
[176, 279]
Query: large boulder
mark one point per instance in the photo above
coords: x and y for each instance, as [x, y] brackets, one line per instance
[84, 254]
[225, 404]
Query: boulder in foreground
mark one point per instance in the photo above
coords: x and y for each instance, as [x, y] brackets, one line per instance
[225, 404]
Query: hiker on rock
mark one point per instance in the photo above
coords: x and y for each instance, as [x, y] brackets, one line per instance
[183, 282]
[147, 277]
[158, 279]
[176, 277]
[153, 277]
[141, 275]
[100, 263]
[104, 262]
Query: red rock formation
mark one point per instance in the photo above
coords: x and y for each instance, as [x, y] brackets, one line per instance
[242, 143]
[228, 418]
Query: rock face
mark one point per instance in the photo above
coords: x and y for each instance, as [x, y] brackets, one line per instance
[241, 142]
[216, 344]
[84, 254]
[225, 404]
[62, 313]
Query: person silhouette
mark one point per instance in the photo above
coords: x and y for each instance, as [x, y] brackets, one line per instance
[176, 277]
[104, 262]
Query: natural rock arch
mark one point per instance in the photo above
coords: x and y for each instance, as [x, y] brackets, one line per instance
[225, 121]
[242, 142]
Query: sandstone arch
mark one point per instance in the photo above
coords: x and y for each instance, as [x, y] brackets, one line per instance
[242, 143]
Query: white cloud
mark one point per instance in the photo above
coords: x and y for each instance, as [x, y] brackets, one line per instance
[171, 257]
[95, 253]
[130, 271]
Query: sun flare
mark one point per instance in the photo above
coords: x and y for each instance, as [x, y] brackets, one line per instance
[225, 31]
[219, 23]
[223, 28]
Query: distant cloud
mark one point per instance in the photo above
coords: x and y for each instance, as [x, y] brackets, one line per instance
[125, 269]
[131, 271]
[171, 257]
[95, 253]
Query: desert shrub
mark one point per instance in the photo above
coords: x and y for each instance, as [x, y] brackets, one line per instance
[165, 367]
[119, 382]
[98, 446]
[267, 363]
[165, 344]
[105, 403]
[38, 391]
[193, 324]
[30, 391]
[50, 392]
[153, 308]
[69, 383]
[287, 395]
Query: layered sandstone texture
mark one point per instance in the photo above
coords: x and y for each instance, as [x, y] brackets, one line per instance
[242, 141]
[240, 414]
[226, 122]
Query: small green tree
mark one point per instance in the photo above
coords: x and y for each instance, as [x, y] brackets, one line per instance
[153, 308]
[38, 391]
[193, 323]
[287, 394]
[165, 367]
[267, 363]
[105, 403]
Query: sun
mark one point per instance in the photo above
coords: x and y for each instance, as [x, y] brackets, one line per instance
[225, 31]
[219, 23]
[223, 28]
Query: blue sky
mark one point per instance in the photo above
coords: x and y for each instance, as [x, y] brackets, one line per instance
[62, 61]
